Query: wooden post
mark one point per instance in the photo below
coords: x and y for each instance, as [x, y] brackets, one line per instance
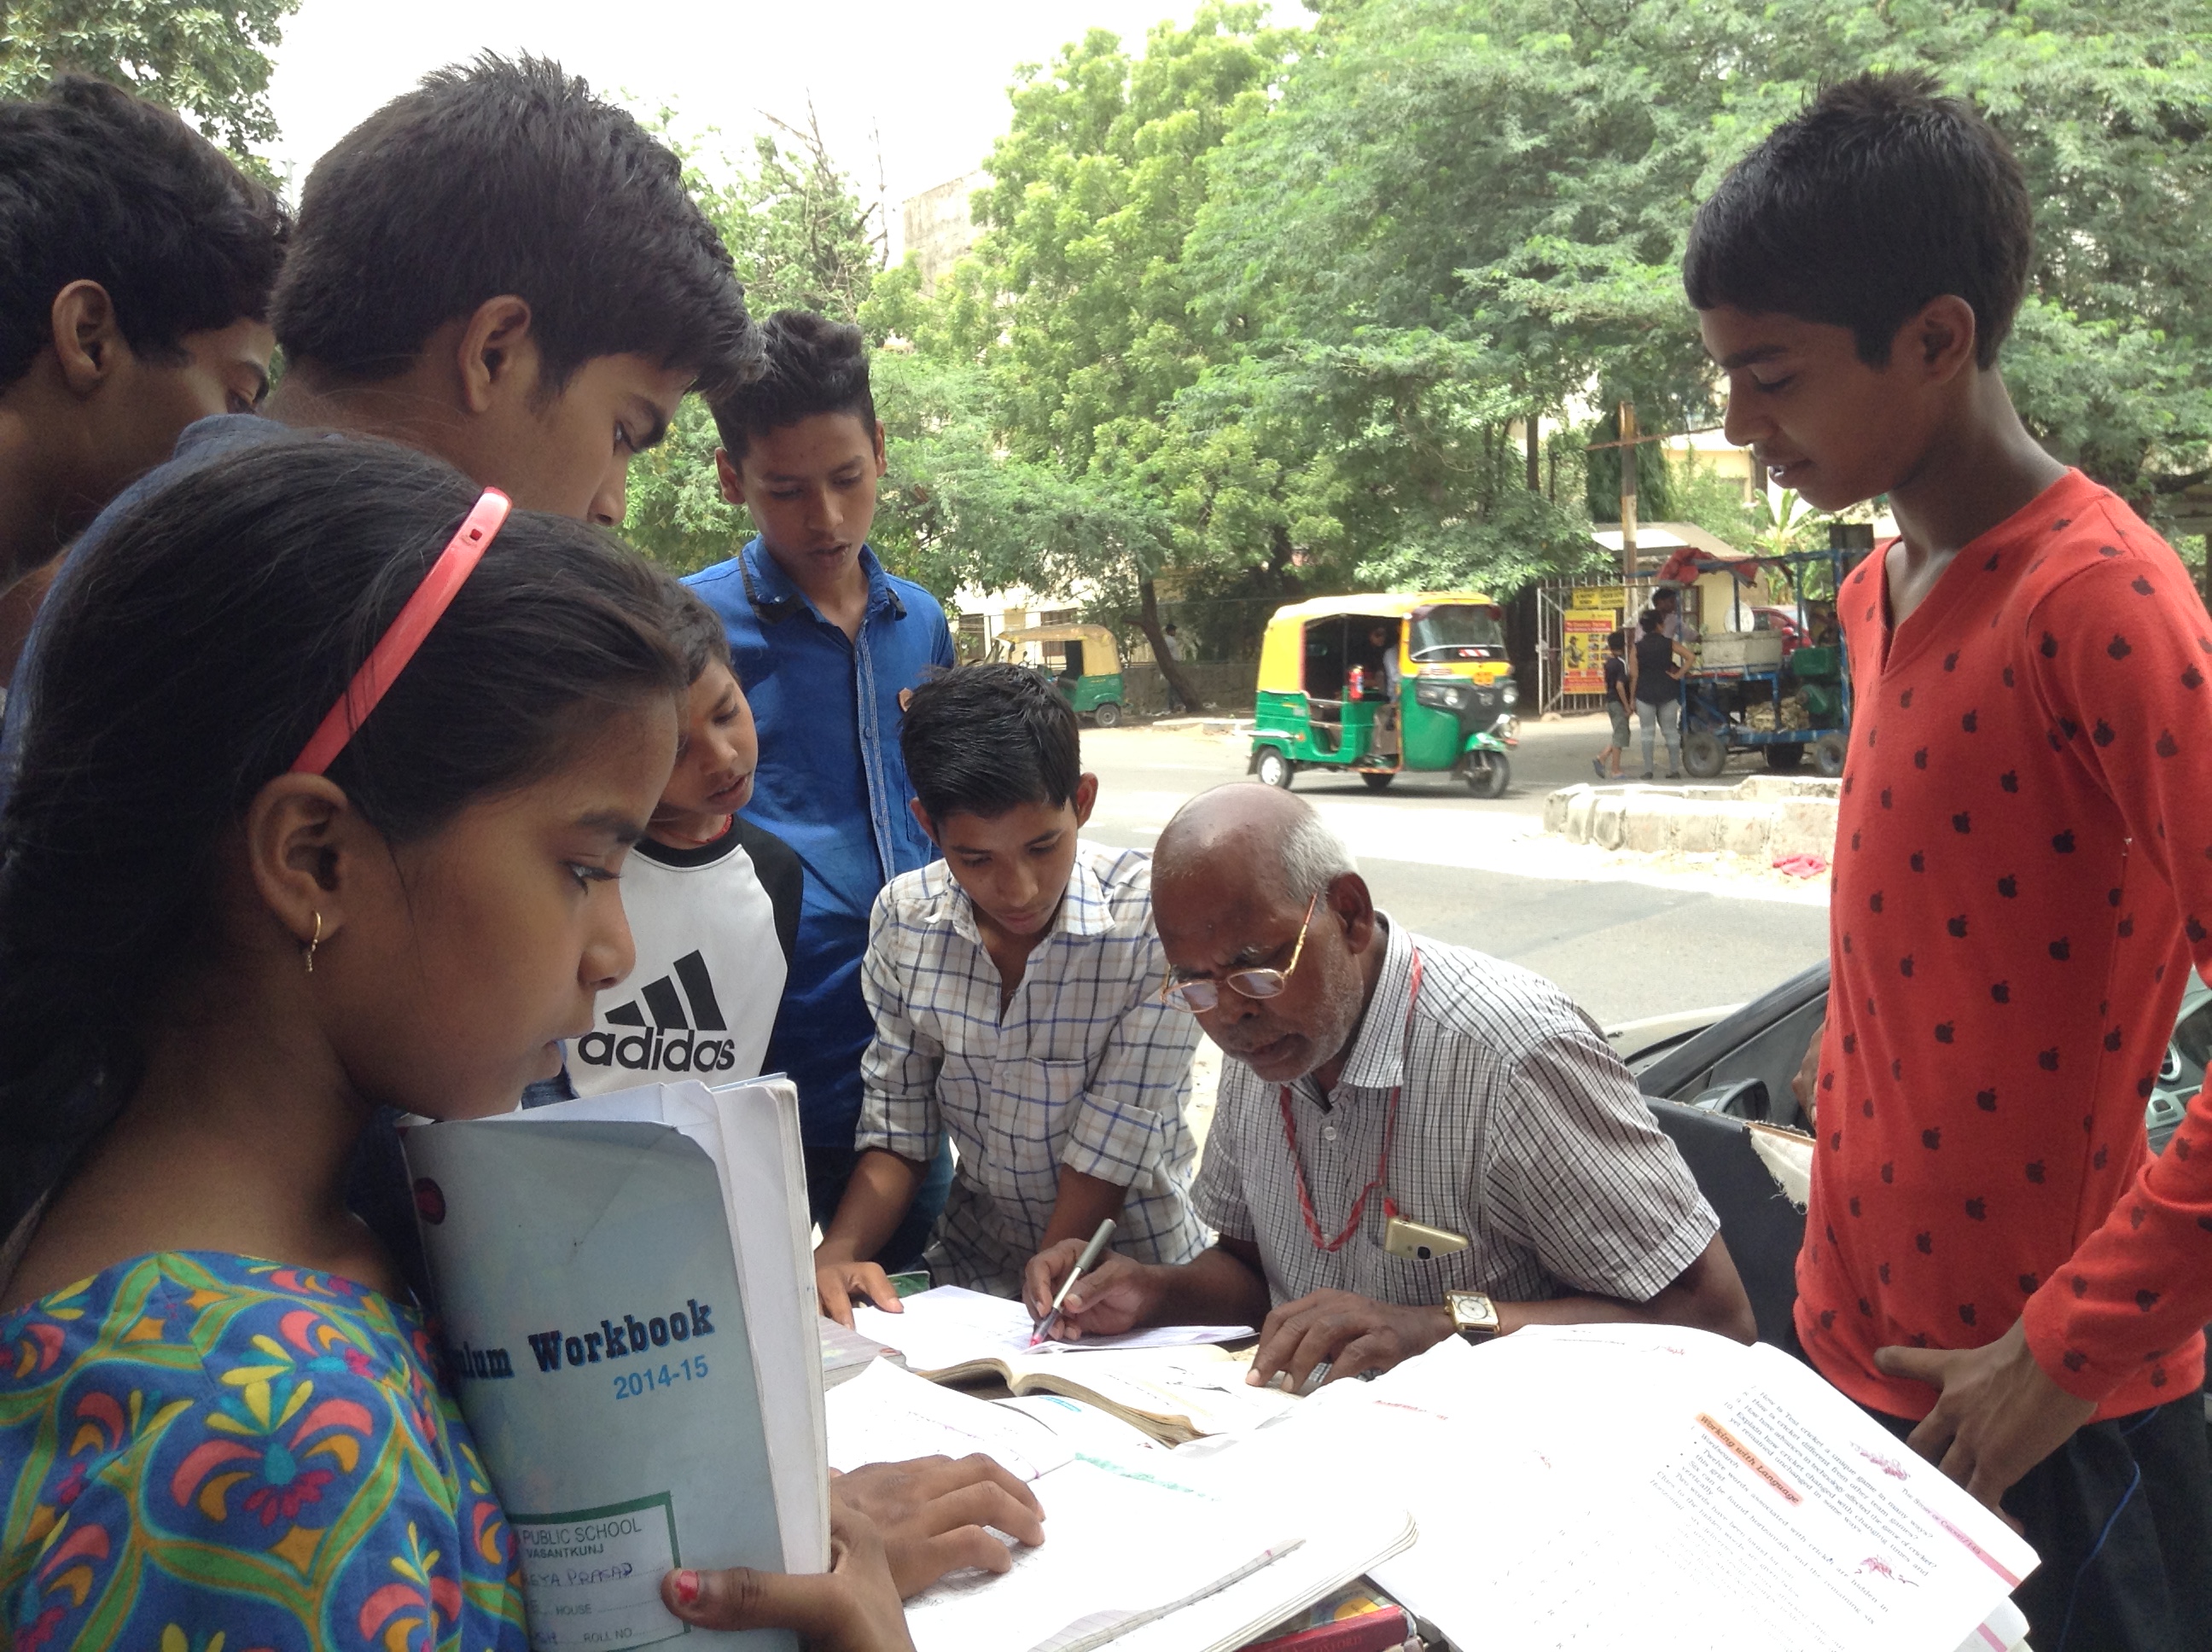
[1628, 494]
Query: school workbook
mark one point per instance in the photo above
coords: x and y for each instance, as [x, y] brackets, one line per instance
[626, 1290]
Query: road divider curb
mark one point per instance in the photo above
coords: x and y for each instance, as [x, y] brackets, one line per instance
[1762, 819]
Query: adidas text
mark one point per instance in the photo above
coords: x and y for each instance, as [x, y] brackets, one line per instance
[658, 1052]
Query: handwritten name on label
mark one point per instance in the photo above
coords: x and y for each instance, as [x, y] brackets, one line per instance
[596, 1582]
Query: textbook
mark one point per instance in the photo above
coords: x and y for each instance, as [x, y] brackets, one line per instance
[1143, 1551]
[627, 1292]
[1174, 1384]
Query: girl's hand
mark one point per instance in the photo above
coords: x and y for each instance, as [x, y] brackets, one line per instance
[853, 1607]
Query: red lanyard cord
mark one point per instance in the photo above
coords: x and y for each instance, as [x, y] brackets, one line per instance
[1390, 1131]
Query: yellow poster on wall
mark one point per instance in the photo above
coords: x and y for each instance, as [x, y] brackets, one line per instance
[1583, 651]
[1598, 596]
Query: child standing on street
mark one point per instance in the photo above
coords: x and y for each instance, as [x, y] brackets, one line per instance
[1617, 706]
[1014, 989]
[829, 644]
[366, 855]
[1993, 1262]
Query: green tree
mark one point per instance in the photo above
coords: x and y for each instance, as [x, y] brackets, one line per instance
[209, 61]
[1077, 307]
[1494, 194]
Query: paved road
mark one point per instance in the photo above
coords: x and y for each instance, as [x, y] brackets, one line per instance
[1443, 862]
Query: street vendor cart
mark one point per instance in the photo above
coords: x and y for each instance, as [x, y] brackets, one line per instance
[1743, 694]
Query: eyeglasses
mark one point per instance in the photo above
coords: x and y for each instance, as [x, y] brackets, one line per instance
[1199, 996]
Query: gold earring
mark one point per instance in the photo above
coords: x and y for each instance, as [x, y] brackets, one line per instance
[308, 951]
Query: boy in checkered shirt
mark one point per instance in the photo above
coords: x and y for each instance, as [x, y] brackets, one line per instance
[1014, 987]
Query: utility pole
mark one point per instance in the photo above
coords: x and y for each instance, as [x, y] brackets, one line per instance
[1628, 493]
[1530, 429]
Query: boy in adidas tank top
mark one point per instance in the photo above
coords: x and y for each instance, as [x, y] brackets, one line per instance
[713, 903]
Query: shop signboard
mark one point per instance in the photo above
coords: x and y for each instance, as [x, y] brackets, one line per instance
[1609, 597]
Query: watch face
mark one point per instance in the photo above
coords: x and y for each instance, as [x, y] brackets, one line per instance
[1472, 1311]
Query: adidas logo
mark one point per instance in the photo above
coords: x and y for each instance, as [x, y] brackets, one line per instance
[671, 1043]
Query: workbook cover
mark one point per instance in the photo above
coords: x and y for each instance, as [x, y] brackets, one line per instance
[588, 1288]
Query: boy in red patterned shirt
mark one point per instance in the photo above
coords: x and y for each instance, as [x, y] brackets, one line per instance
[1994, 1262]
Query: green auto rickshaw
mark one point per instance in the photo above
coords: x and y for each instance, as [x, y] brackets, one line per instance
[1377, 684]
[1087, 668]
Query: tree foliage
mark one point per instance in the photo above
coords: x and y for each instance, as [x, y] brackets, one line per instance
[1503, 188]
[1270, 306]
[209, 61]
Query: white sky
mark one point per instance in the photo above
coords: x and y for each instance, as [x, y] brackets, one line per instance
[932, 74]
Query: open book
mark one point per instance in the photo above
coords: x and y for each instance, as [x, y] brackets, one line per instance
[1141, 1550]
[627, 1297]
[1174, 1383]
[1608, 1485]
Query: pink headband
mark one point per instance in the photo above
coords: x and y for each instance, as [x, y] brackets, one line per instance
[399, 643]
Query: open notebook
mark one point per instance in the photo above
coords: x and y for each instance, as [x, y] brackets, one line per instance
[626, 1288]
[1607, 1486]
[1142, 1549]
[1174, 1384]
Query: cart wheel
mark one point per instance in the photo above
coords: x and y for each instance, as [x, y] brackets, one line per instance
[1703, 754]
[1828, 755]
[1273, 768]
[1377, 782]
[1782, 759]
[1488, 775]
[1106, 714]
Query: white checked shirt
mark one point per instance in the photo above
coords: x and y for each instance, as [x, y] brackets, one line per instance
[1516, 1127]
[1085, 1068]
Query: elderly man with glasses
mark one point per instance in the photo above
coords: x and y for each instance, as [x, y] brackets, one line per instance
[1412, 1141]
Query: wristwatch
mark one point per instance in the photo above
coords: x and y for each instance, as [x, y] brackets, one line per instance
[1474, 1315]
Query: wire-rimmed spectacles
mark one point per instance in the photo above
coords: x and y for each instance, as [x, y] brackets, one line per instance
[1199, 996]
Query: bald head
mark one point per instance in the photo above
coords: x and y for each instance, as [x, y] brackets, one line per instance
[1248, 877]
[1257, 832]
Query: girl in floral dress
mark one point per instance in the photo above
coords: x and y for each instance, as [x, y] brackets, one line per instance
[333, 770]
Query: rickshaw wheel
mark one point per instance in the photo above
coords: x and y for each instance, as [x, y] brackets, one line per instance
[1782, 759]
[1106, 714]
[1273, 769]
[1828, 756]
[1704, 754]
[1490, 778]
[1377, 782]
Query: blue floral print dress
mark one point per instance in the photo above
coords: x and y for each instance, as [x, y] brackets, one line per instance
[204, 1453]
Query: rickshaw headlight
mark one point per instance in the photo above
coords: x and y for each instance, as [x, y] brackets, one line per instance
[1440, 695]
[1510, 691]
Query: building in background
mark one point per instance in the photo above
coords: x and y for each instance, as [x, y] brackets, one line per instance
[937, 228]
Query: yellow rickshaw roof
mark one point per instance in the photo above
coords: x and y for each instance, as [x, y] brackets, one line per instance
[1386, 604]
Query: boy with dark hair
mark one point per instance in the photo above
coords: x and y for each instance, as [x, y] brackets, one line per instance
[831, 645]
[713, 901]
[499, 269]
[2022, 876]
[136, 266]
[1014, 985]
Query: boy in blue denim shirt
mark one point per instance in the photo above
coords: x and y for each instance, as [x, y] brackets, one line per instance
[828, 644]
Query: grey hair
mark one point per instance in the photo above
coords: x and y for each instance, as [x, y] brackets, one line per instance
[1313, 857]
